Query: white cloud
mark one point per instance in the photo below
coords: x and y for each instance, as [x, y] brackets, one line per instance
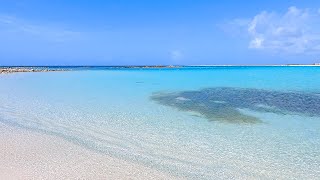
[296, 31]
[256, 43]
[46, 32]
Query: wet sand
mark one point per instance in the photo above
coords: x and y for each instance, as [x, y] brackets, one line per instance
[31, 155]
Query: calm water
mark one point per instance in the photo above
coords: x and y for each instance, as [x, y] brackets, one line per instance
[204, 123]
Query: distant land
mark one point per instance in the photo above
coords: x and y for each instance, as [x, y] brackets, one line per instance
[16, 69]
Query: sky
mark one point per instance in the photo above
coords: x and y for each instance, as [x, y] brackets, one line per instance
[162, 32]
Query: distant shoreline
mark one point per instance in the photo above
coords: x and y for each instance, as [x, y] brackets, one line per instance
[254, 65]
[13, 69]
[17, 69]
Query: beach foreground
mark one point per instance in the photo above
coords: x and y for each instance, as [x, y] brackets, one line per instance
[30, 155]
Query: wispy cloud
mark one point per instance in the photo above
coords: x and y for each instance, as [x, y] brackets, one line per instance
[296, 31]
[176, 55]
[42, 31]
[235, 27]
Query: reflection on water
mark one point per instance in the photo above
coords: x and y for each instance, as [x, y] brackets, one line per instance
[223, 104]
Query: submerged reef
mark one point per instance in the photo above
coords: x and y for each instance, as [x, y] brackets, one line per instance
[223, 103]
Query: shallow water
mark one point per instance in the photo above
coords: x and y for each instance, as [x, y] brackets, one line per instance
[204, 123]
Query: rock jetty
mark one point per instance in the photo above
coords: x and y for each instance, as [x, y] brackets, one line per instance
[7, 70]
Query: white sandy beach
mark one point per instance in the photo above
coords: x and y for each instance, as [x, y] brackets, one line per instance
[30, 155]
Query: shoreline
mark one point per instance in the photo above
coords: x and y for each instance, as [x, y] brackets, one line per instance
[26, 154]
[18, 69]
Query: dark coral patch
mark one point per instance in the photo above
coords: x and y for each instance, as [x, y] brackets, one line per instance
[223, 104]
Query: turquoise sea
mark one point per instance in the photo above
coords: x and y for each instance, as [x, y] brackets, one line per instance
[192, 122]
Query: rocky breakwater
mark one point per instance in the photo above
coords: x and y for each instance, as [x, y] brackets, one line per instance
[7, 70]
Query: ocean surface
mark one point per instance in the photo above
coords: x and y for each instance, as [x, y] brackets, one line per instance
[191, 122]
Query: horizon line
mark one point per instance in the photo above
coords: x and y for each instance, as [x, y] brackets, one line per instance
[172, 66]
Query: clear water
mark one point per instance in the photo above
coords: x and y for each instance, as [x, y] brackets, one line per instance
[111, 111]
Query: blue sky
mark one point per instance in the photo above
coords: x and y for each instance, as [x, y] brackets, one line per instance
[139, 32]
